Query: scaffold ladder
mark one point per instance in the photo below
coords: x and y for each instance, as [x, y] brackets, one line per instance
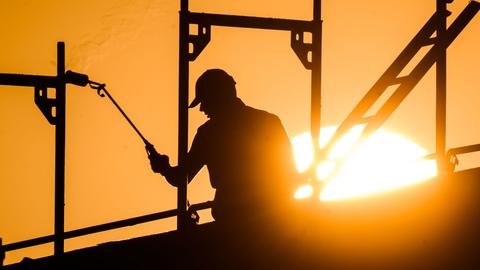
[391, 77]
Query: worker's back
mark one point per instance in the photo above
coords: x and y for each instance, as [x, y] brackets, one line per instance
[250, 162]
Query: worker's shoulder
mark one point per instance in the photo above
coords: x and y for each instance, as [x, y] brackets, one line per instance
[261, 114]
[246, 116]
[205, 126]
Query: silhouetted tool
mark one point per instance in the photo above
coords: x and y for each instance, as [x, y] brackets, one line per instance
[83, 80]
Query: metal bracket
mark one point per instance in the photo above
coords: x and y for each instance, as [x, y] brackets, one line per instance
[45, 104]
[302, 50]
[452, 163]
[199, 41]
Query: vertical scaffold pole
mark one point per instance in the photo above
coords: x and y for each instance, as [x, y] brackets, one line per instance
[441, 91]
[316, 80]
[183, 80]
[60, 152]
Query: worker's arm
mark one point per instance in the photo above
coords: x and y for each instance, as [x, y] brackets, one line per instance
[195, 161]
[160, 164]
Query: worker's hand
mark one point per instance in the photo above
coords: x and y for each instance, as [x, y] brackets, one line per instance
[159, 163]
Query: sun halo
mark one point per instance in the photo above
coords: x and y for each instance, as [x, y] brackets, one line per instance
[383, 162]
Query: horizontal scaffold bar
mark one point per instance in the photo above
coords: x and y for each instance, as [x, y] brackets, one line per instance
[93, 229]
[250, 22]
[28, 80]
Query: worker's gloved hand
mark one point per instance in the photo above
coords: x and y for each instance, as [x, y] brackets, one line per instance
[159, 163]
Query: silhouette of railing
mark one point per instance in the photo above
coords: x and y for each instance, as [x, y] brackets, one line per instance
[454, 152]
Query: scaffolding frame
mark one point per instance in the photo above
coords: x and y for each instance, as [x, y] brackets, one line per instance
[308, 53]
[54, 111]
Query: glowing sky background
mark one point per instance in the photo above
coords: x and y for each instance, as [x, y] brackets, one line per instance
[132, 46]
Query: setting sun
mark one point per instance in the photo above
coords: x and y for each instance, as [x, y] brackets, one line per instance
[383, 162]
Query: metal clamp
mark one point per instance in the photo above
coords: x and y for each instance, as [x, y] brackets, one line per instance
[45, 104]
[452, 163]
[198, 41]
[302, 50]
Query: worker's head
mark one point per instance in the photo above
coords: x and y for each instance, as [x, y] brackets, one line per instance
[214, 91]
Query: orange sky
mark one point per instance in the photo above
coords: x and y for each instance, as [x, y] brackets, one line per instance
[132, 46]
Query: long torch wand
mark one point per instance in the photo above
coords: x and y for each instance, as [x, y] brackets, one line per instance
[83, 80]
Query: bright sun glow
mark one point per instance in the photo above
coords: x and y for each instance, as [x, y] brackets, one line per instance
[383, 162]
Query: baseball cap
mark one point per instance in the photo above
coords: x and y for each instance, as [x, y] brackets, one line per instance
[214, 83]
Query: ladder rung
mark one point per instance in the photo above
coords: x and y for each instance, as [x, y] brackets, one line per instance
[399, 80]
[430, 41]
[366, 119]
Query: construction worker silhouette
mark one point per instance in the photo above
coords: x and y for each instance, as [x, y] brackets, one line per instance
[247, 152]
